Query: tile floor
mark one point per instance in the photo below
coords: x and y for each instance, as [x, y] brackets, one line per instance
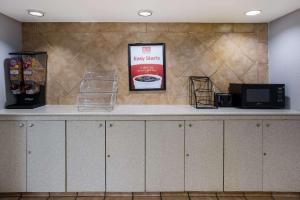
[152, 196]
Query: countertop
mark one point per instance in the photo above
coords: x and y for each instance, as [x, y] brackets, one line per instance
[147, 110]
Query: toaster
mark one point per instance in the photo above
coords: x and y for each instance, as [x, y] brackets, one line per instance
[223, 100]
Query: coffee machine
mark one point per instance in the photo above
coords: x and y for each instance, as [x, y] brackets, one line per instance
[26, 79]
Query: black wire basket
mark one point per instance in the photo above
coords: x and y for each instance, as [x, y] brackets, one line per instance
[202, 93]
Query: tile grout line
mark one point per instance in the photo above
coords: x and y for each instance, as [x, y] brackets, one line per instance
[223, 122]
[184, 156]
[145, 161]
[66, 156]
[105, 160]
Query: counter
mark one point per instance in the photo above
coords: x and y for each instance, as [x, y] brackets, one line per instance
[144, 112]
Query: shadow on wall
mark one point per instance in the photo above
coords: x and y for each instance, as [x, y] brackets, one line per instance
[287, 102]
[9, 96]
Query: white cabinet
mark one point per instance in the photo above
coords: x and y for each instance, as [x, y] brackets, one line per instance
[204, 156]
[46, 156]
[281, 146]
[85, 156]
[243, 155]
[12, 156]
[164, 155]
[125, 156]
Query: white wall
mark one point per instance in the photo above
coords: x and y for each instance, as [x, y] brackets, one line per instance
[284, 55]
[10, 40]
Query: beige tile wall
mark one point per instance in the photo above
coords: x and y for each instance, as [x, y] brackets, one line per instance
[224, 52]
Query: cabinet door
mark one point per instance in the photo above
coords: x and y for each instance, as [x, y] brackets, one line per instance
[125, 159]
[46, 156]
[281, 143]
[164, 156]
[204, 156]
[85, 156]
[12, 156]
[243, 155]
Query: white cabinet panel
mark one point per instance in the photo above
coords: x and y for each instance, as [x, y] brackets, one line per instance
[85, 156]
[164, 156]
[125, 159]
[46, 156]
[281, 144]
[204, 156]
[12, 156]
[243, 155]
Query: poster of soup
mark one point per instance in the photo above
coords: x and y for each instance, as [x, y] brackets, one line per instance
[147, 70]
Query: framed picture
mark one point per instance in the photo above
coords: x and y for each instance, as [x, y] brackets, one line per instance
[147, 66]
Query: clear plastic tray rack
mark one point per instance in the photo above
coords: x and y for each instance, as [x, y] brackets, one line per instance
[98, 91]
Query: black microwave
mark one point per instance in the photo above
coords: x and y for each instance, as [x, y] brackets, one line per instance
[257, 95]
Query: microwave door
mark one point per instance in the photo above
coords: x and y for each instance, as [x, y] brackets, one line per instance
[258, 97]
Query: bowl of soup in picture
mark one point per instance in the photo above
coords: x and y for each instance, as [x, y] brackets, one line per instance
[147, 81]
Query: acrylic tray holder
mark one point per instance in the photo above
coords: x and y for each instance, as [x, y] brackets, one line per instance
[98, 91]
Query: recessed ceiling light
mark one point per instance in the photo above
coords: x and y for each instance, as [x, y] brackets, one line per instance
[36, 13]
[145, 13]
[253, 12]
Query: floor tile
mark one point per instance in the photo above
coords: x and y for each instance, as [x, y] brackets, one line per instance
[62, 198]
[9, 198]
[286, 194]
[147, 194]
[179, 194]
[258, 194]
[146, 198]
[90, 198]
[34, 198]
[202, 194]
[35, 194]
[286, 198]
[231, 198]
[91, 194]
[175, 198]
[230, 194]
[63, 194]
[10, 194]
[259, 198]
[119, 194]
[118, 198]
[204, 198]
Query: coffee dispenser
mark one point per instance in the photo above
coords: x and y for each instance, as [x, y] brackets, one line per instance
[26, 74]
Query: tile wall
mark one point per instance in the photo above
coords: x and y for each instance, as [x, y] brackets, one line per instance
[224, 52]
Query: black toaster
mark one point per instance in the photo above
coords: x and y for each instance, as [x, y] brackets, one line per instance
[223, 100]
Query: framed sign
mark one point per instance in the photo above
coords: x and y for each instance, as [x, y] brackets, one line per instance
[147, 66]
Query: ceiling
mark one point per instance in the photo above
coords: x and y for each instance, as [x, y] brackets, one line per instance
[163, 10]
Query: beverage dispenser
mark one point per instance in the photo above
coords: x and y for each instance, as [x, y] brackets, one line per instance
[27, 74]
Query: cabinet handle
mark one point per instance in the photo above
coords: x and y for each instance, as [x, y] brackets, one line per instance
[110, 125]
[190, 125]
[187, 155]
[267, 125]
[31, 125]
[258, 125]
[29, 152]
[108, 156]
[180, 125]
[265, 154]
[21, 125]
[100, 125]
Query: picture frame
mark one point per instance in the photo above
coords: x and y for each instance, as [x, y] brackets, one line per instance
[147, 66]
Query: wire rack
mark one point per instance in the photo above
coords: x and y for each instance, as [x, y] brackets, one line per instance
[201, 92]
